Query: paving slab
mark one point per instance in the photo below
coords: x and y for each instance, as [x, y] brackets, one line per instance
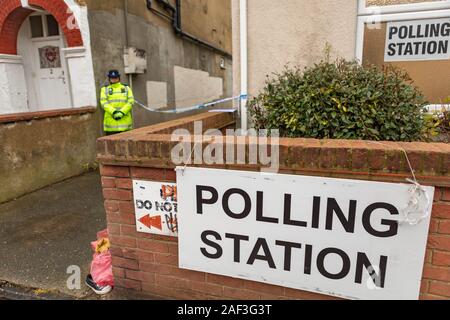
[45, 232]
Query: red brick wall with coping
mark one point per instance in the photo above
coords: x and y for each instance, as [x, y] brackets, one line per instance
[149, 263]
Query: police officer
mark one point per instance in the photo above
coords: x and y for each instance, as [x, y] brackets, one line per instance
[117, 100]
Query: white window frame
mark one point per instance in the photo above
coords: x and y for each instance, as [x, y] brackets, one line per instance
[45, 37]
[392, 13]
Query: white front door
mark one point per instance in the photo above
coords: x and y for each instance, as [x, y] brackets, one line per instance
[51, 78]
[40, 43]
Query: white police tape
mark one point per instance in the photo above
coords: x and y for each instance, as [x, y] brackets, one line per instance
[193, 108]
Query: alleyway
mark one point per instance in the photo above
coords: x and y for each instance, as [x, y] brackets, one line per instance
[45, 232]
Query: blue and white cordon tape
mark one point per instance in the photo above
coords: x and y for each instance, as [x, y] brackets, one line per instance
[193, 108]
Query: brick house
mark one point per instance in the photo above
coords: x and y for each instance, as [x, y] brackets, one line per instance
[53, 59]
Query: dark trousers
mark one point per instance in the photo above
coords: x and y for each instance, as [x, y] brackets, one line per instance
[112, 133]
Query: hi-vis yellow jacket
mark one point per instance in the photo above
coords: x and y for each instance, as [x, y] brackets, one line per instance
[117, 97]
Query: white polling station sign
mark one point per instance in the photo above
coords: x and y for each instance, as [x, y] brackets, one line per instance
[156, 207]
[331, 236]
[418, 40]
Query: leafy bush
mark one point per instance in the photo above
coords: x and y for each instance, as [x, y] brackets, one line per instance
[341, 100]
[437, 126]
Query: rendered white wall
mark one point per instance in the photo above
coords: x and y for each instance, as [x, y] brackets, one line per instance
[79, 63]
[194, 87]
[292, 32]
[81, 67]
[13, 90]
[157, 94]
[25, 49]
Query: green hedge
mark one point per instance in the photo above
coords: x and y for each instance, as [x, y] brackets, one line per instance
[341, 100]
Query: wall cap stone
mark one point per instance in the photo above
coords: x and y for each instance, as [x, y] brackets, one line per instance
[365, 160]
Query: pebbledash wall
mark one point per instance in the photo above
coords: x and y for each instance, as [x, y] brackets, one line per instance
[149, 263]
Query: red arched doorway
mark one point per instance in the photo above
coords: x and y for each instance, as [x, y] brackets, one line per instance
[12, 16]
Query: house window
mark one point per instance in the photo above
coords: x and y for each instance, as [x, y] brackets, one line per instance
[37, 28]
[43, 26]
[422, 49]
[52, 26]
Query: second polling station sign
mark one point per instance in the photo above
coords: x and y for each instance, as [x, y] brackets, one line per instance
[331, 236]
[418, 40]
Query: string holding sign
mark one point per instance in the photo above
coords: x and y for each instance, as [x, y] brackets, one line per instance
[417, 208]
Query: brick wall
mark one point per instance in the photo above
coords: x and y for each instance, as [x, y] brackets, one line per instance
[148, 263]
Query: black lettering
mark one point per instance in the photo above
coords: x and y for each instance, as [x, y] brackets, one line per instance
[159, 206]
[308, 259]
[445, 29]
[201, 201]
[288, 246]
[168, 207]
[443, 47]
[260, 210]
[419, 31]
[393, 225]
[226, 207]
[435, 30]
[219, 251]
[237, 244]
[403, 32]
[392, 49]
[347, 223]
[345, 267]
[427, 31]
[287, 213]
[392, 31]
[432, 47]
[400, 48]
[409, 49]
[411, 32]
[267, 256]
[417, 47]
[316, 213]
[364, 262]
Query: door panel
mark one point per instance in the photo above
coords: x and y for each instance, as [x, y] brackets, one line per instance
[51, 75]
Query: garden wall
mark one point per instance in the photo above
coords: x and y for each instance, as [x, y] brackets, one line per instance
[149, 263]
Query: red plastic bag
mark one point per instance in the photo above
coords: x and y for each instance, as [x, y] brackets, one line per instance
[101, 267]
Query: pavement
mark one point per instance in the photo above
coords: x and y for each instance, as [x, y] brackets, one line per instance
[44, 233]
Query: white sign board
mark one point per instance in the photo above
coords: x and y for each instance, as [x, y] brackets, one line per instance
[418, 40]
[330, 236]
[156, 207]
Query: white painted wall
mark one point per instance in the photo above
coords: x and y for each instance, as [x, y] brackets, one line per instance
[13, 89]
[25, 50]
[17, 77]
[194, 87]
[292, 32]
[81, 68]
[157, 94]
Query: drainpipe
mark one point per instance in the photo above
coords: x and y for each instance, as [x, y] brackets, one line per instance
[175, 19]
[127, 41]
[125, 16]
[244, 64]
